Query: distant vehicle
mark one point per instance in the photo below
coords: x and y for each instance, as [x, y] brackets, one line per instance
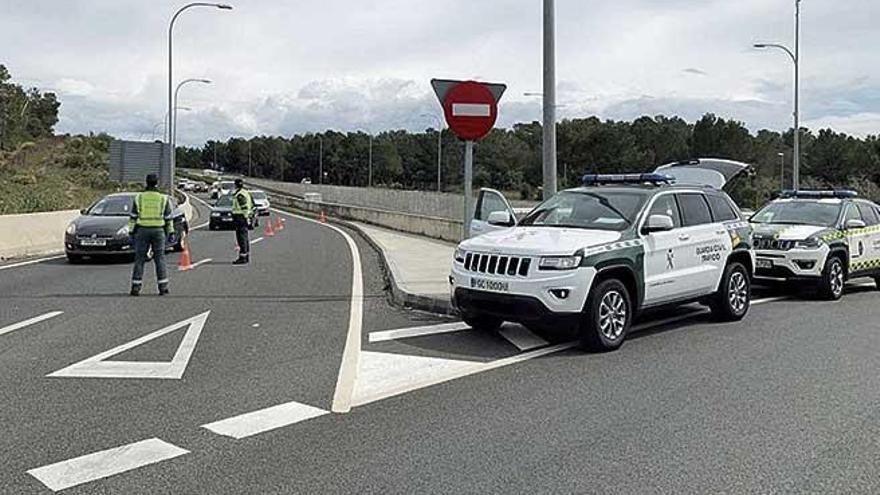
[215, 190]
[821, 237]
[306, 181]
[261, 202]
[102, 229]
[226, 187]
[221, 215]
[595, 256]
[211, 173]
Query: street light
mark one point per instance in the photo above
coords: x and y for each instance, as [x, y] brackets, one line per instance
[549, 97]
[170, 134]
[795, 58]
[164, 124]
[174, 119]
[439, 146]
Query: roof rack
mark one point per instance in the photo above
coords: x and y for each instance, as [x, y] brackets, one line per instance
[604, 179]
[836, 193]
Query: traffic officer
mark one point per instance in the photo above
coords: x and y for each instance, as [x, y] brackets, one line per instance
[149, 223]
[242, 215]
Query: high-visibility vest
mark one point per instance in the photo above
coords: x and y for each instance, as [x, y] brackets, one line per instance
[237, 208]
[151, 209]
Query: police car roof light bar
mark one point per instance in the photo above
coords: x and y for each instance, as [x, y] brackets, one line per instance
[600, 179]
[836, 193]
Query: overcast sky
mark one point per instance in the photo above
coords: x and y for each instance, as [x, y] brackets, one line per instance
[286, 66]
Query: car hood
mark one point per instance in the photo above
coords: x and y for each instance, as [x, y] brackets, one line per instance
[221, 209]
[539, 240]
[90, 224]
[782, 232]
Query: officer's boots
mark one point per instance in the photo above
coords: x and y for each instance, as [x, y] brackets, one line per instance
[163, 289]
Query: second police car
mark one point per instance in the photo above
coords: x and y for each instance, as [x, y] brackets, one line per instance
[823, 237]
[596, 255]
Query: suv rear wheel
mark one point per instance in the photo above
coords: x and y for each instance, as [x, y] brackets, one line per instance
[833, 279]
[607, 316]
[734, 296]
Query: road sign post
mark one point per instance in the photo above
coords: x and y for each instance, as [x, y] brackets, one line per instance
[471, 109]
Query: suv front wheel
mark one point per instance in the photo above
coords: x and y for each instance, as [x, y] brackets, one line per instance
[734, 296]
[833, 279]
[607, 316]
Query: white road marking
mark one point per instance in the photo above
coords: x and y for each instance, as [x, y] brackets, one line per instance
[404, 333]
[29, 322]
[757, 302]
[258, 239]
[201, 262]
[471, 110]
[522, 337]
[99, 465]
[31, 262]
[252, 423]
[98, 367]
[348, 369]
[200, 226]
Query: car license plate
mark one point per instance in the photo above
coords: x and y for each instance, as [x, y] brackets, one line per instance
[761, 263]
[93, 242]
[489, 285]
[226, 219]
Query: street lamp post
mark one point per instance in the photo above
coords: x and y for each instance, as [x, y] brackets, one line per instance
[174, 122]
[781, 170]
[170, 133]
[164, 123]
[549, 99]
[795, 58]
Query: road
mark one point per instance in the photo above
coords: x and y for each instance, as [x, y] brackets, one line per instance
[237, 391]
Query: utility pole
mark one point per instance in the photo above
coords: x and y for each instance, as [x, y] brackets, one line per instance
[549, 125]
[796, 177]
[781, 171]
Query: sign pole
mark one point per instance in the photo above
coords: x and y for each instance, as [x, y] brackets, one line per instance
[468, 187]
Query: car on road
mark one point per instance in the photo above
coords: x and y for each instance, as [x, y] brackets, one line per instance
[215, 190]
[593, 257]
[822, 237]
[102, 229]
[225, 187]
[221, 215]
[261, 202]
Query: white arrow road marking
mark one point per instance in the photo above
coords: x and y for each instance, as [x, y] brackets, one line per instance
[404, 333]
[255, 422]
[29, 322]
[98, 465]
[471, 110]
[98, 367]
[522, 338]
[31, 262]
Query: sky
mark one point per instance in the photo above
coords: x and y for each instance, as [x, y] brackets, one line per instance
[280, 67]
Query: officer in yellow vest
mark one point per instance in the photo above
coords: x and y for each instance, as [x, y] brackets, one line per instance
[242, 216]
[149, 223]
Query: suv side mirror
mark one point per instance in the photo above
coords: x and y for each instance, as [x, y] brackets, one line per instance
[855, 224]
[659, 223]
[500, 218]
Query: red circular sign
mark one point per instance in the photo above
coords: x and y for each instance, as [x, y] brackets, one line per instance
[470, 110]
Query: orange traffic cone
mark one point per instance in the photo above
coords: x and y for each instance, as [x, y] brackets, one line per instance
[279, 223]
[185, 257]
[323, 217]
[267, 230]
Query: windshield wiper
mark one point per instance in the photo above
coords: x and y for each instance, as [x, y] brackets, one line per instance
[607, 204]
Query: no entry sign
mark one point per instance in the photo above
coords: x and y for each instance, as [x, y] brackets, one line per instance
[470, 107]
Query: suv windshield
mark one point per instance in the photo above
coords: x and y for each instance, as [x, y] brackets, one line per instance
[112, 206]
[224, 201]
[588, 209]
[227, 185]
[799, 213]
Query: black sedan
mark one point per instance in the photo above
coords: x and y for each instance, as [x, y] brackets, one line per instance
[102, 229]
[221, 215]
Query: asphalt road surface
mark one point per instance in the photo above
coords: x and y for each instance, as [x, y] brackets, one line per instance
[229, 385]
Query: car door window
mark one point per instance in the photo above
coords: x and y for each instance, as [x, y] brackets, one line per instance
[489, 202]
[666, 205]
[694, 209]
[869, 215]
[852, 213]
[721, 209]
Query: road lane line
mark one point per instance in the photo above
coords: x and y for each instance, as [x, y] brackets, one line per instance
[106, 463]
[522, 337]
[404, 333]
[29, 322]
[196, 264]
[258, 239]
[757, 302]
[270, 418]
[348, 368]
[31, 262]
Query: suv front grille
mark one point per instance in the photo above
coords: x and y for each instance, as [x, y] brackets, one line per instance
[773, 244]
[495, 264]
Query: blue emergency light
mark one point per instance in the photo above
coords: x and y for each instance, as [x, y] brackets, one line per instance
[836, 193]
[605, 179]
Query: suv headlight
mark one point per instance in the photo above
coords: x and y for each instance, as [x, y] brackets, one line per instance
[71, 229]
[560, 262]
[808, 244]
[122, 232]
[215, 213]
[459, 256]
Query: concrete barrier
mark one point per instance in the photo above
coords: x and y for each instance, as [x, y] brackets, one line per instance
[34, 234]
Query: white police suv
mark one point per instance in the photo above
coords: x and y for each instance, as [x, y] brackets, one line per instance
[822, 237]
[596, 255]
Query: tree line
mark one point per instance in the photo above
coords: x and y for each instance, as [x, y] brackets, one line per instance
[26, 114]
[510, 159]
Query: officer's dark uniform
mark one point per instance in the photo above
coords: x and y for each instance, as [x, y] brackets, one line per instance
[150, 221]
[242, 213]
